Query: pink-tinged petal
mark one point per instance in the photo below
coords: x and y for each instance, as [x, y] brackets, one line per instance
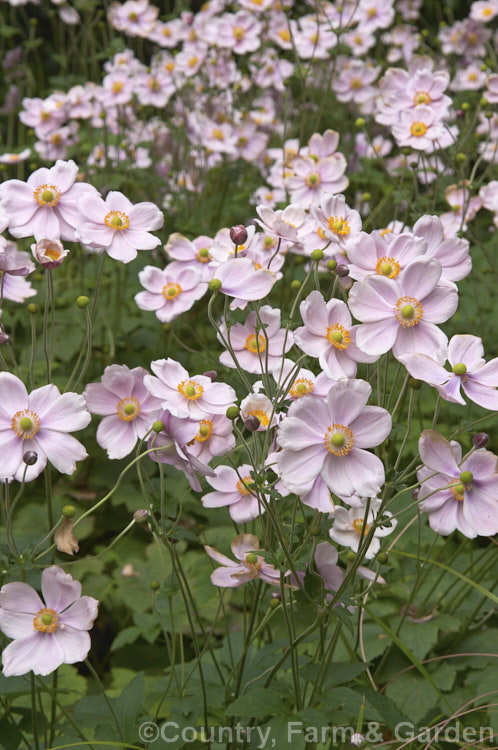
[371, 427]
[119, 380]
[431, 229]
[482, 464]
[45, 225]
[480, 511]
[116, 201]
[337, 312]
[220, 499]
[224, 577]
[318, 496]
[61, 449]
[20, 597]
[358, 472]
[314, 314]
[153, 279]
[309, 343]
[41, 400]
[81, 614]
[440, 304]
[487, 374]
[422, 367]
[99, 400]
[362, 251]
[139, 239]
[243, 544]
[73, 644]
[300, 467]
[448, 518]
[63, 174]
[483, 395]
[93, 207]
[436, 453]
[150, 301]
[346, 400]
[13, 395]
[35, 653]
[373, 299]
[59, 589]
[420, 277]
[28, 473]
[298, 433]
[378, 337]
[145, 216]
[116, 436]
[98, 235]
[450, 391]
[16, 624]
[247, 509]
[68, 413]
[220, 558]
[121, 249]
[467, 349]
[12, 449]
[424, 338]
[337, 364]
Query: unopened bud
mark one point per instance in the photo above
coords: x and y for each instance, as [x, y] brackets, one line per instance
[30, 458]
[414, 384]
[82, 301]
[460, 158]
[480, 439]
[158, 426]
[69, 511]
[140, 515]
[382, 558]
[315, 531]
[465, 106]
[252, 423]
[274, 602]
[32, 308]
[317, 255]
[483, 102]
[238, 234]
[366, 197]
[360, 122]
[155, 585]
[214, 285]
[332, 264]
[4, 337]
[212, 374]
[342, 271]
[233, 412]
[166, 327]
[295, 285]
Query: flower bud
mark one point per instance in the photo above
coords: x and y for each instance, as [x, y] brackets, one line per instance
[366, 197]
[158, 426]
[212, 374]
[32, 308]
[483, 102]
[233, 412]
[82, 301]
[414, 384]
[342, 271]
[238, 234]
[415, 493]
[140, 515]
[315, 531]
[274, 602]
[295, 285]
[49, 253]
[332, 264]
[360, 122]
[465, 106]
[317, 255]
[460, 158]
[382, 557]
[480, 439]
[166, 327]
[214, 285]
[30, 458]
[4, 337]
[155, 585]
[252, 423]
[69, 511]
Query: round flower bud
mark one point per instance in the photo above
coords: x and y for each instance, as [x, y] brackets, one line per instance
[141, 515]
[406, 150]
[214, 285]
[252, 423]
[350, 555]
[82, 301]
[360, 122]
[342, 271]
[212, 374]
[166, 327]
[488, 114]
[295, 284]
[32, 308]
[366, 197]
[460, 158]
[414, 384]
[382, 557]
[332, 265]
[69, 511]
[315, 531]
[158, 426]
[238, 234]
[465, 106]
[30, 458]
[483, 102]
[459, 112]
[466, 477]
[232, 412]
[155, 585]
[480, 439]
[274, 603]
[4, 337]
[317, 255]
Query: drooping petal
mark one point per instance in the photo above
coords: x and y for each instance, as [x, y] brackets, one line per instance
[59, 589]
[74, 645]
[436, 453]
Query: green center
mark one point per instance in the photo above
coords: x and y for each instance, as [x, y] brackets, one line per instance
[460, 368]
[171, 291]
[338, 439]
[47, 196]
[313, 179]
[386, 269]
[301, 388]
[252, 558]
[129, 409]
[466, 477]
[26, 424]
[337, 226]
[190, 390]
[337, 336]
[46, 619]
[407, 311]
[117, 221]
[204, 430]
[203, 252]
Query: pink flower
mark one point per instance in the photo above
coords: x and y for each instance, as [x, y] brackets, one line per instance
[351, 525]
[338, 221]
[48, 205]
[13, 261]
[469, 504]
[328, 333]
[257, 351]
[250, 565]
[302, 382]
[236, 489]
[244, 282]
[258, 405]
[425, 87]
[401, 313]
[470, 372]
[39, 422]
[214, 438]
[49, 253]
[119, 226]
[183, 396]
[240, 32]
[190, 253]
[421, 129]
[386, 255]
[329, 438]
[315, 494]
[46, 633]
[452, 253]
[170, 292]
[291, 224]
[127, 406]
[308, 179]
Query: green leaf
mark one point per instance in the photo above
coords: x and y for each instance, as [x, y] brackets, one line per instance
[129, 706]
[257, 703]
[385, 706]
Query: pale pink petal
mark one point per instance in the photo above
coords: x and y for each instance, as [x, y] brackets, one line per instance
[20, 597]
[99, 400]
[220, 558]
[420, 277]
[467, 349]
[435, 451]
[38, 653]
[61, 449]
[224, 577]
[73, 644]
[346, 400]
[440, 304]
[371, 427]
[13, 395]
[81, 614]
[116, 436]
[12, 449]
[378, 337]
[424, 338]
[298, 433]
[59, 589]
[299, 467]
[314, 314]
[243, 544]
[145, 216]
[153, 279]
[422, 367]
[373, 299]
[67, 414]
[483, 395]
[16, 624]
